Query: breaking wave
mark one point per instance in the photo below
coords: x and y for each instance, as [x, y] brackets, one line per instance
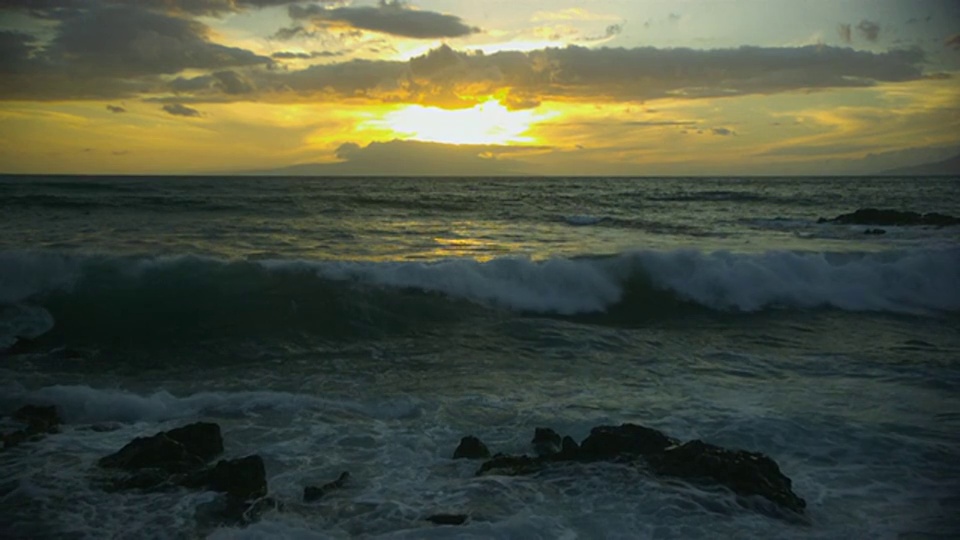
[184, 294]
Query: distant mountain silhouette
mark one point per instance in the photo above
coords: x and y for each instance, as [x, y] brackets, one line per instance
[947, 167]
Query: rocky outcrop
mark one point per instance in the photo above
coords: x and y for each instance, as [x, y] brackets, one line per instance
[874, 216]
[447, 519]
[39, 421]
[745, 473]
[179, 450]
[312, 493]
[179, 458]
[471, 447]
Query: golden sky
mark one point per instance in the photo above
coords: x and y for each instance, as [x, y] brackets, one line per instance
[490, 87]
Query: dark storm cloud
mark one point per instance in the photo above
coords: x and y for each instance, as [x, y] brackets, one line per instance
[291, 32]
[388, 17]
[178, 109]
[57, 8]
[953, 41]
[116, 109]
[869, 30]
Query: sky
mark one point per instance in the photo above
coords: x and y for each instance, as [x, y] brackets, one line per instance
[478, 87]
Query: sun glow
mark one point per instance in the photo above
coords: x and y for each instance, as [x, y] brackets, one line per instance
[486, 123]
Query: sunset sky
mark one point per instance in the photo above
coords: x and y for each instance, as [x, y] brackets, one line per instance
[480, 87]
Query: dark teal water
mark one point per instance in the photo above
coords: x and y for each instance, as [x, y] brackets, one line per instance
[367, 324]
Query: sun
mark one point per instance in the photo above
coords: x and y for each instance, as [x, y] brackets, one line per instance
[486, 123]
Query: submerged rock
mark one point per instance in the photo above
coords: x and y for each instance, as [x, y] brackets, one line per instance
[471, 448]
[874, 216]
[312, 493]
[39, 419]
[447, 519]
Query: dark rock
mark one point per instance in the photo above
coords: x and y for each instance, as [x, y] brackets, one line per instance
[312, 493]
[15, 438]
[447, 519]
[874, 216]
[234, 512]
[746, 473]
[157, 451]
[146, 479]
[471, 448]
[177, 451]
[546, 442]
[625, 440]
[242, 479]
[874, 231]
[39, 419]
[511, 465]
[569, 449]
[202, 439]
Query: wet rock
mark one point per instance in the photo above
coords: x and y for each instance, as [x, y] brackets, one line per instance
[202, 439]
[39, 419]
[569, 449]
[746, 473]
[312, 493]
[625, 440]
[888, 217]
[447, 519]
[15, 438]
[512, 465]
[179, 450]
[546, 442]
[157, 451]
[243, 479]
[471, 448]
[234, 512]
[875, 231]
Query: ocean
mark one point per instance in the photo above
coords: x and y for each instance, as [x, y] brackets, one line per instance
[367, 324]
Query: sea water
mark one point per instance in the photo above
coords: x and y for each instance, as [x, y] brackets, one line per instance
[366, 324]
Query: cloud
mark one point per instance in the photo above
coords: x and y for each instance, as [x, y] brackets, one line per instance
[846, 33]
[869, 30]
[723, 132]
[952, 41]
[53, 9]
[290, 55]
[129, 41]
[177, 109]
[116, 109]
[231, 82]
[389, 17]
[415, 158]
[288, 33]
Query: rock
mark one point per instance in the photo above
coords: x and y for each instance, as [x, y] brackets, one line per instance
[746, 473]
[874, 216]
[626, 440]
[546, 442]
[312, 493]
[202, 439]
[233, 512]
[39, 419]
[243, 479]
[874, 231]
[179, 450]
[157, 451]
[471, 448]
[503, 464]
[15, 438]
[569, 449]
[447, 519]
